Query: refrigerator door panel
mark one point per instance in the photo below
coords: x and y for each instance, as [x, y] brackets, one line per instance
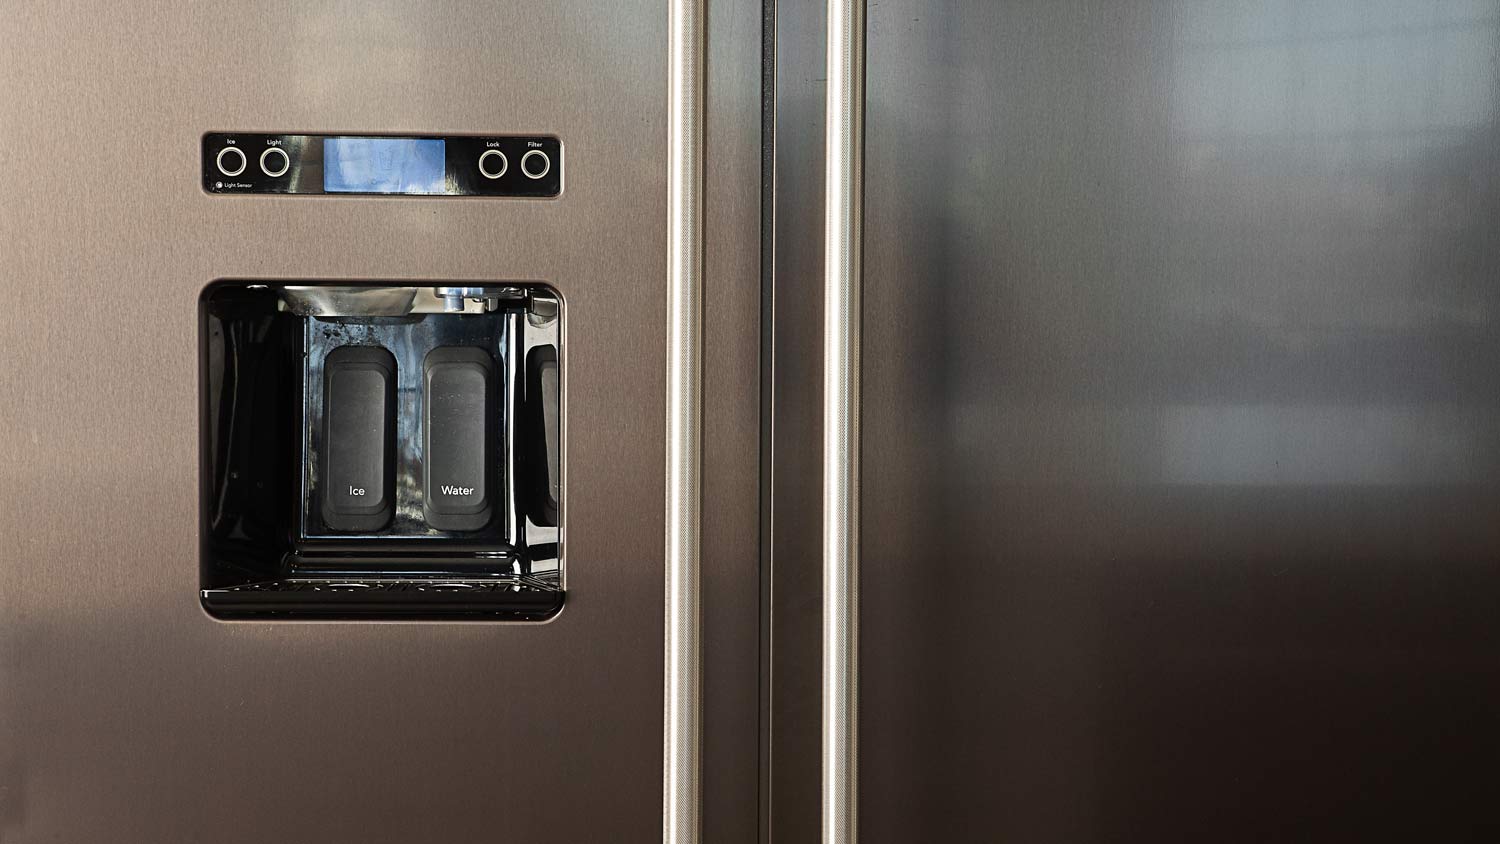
[1181, 442]
[127, 713]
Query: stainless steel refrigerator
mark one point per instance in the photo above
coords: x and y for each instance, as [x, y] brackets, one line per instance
[407, 405]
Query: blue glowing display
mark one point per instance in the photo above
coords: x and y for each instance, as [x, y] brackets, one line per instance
[383, 165]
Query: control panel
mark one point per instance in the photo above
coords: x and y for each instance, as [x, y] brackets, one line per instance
[383, 165]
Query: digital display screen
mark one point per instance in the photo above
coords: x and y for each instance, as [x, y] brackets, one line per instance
[383, 165]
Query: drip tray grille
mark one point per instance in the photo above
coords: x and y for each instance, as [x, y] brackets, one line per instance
[513, 597]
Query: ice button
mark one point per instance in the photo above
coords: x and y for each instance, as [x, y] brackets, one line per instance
[359, 391]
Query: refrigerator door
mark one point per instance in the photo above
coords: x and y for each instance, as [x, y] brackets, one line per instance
[128, 714]
[1181, 442]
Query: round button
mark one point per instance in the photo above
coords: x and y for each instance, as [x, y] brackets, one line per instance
[493, 164]
[231, 161]
[274, 161]
[536, 164]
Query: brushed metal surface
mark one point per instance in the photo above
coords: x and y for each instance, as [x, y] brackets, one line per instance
[128, 715]
[730, 530]
[1181, 455]
[843, 249]
[682, 710]
[794, 741]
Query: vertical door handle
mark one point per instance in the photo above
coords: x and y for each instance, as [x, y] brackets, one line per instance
[843, 176]
[683, 692]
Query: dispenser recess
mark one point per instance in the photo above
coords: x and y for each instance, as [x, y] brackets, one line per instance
[381, 451]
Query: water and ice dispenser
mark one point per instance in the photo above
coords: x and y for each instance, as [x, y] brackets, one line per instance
[381, 451]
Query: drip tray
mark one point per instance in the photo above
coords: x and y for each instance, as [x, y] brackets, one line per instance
[517, 597]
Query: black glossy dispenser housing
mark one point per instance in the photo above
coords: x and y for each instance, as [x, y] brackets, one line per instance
[381, 451]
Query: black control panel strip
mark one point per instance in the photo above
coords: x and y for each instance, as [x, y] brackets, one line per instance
[382, 165]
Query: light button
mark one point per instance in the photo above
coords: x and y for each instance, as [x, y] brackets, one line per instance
[274, 162]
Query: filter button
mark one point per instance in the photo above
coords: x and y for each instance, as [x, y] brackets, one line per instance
[536, 164]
